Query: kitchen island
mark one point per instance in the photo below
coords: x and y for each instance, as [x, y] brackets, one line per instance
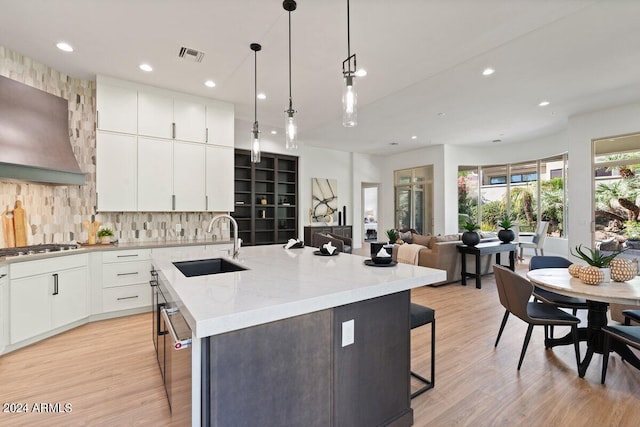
[298, 339]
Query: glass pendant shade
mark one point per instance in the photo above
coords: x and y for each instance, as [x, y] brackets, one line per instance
[291, 131]
[349, 103]
[255, 144]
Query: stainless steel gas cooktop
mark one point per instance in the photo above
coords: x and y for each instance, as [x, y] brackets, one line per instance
[36, 249]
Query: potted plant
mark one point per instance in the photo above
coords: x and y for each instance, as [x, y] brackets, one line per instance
[392, 235]
[105, 235]
[598, 270]
[470, 237]
[506, 235]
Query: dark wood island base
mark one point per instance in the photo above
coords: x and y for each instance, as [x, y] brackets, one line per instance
[296, 371]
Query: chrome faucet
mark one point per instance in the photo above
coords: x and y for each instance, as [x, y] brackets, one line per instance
[236, 243]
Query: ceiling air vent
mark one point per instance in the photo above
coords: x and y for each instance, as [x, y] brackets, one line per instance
[191, 54]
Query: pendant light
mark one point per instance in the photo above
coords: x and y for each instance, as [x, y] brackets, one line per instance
[290, 126]
[255, 132]
[349, 95]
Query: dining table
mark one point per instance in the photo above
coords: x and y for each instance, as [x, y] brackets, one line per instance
[598, 298]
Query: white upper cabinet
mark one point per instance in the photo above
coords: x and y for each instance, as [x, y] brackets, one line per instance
[189, 176]
[189, 119]
[152, 150]
[162, 115]
[155, 175]
[220, 123]
[220, 184]
[117, 104]
[116, 172]
[155, 114]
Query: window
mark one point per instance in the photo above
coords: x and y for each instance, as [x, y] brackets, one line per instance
[525, 191]
[414, 199]
[616, 170]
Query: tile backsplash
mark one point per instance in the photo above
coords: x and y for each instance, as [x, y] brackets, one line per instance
[55, 213]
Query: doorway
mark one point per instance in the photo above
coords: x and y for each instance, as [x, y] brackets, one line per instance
[370, 211]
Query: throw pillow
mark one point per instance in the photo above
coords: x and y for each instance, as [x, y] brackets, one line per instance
[406, 237]
[419, 239]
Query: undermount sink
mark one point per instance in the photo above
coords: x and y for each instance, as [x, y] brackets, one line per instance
[204, 267]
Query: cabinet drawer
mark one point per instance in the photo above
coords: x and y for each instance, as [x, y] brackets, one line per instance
[48, 265]
[125, 273]
[125, 297]
[132, 255]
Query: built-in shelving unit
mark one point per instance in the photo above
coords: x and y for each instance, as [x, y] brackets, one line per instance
[266, 196]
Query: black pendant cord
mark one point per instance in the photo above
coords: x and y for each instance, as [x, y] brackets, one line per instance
[348, 33]
[255, 86]
[290, 100]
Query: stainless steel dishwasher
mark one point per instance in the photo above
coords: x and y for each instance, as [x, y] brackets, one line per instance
[177, 358]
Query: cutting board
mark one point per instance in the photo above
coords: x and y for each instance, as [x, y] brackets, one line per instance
[14, 226]
[20, 224]
[8, 230]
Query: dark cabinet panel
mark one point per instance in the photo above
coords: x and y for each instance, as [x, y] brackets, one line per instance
[277, 374]
[296, 372]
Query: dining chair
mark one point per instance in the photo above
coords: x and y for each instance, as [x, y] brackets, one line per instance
[629, 335]
[514, 292]
[560, 301]
[537, 242]
[549, 297]
[630, 315]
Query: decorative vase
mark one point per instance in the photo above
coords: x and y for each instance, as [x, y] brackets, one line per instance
[105, 239]
[470, 238]
[623, 269]
[574, 270]
[506, 236]
[591, 275]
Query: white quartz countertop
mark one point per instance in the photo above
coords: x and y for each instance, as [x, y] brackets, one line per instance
[280, 284]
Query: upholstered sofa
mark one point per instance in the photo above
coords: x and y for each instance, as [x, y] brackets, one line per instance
[441, 252]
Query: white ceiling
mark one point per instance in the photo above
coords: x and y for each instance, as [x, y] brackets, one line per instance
[423, 57]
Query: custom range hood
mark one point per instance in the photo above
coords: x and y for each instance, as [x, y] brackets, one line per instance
[34, 136]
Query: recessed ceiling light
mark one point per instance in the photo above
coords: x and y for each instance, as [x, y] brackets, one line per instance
[262, 96]
[146, 67]
[64, 46]
[488, 71]
[210, 83]
[361, 72]
[544, 103]
[274, 132]
[414, 137]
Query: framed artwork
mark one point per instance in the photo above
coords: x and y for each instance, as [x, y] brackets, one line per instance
[324, 200]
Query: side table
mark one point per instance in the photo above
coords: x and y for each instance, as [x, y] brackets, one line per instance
[486, 248]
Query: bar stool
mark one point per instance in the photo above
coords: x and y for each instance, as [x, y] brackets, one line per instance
[421, 315]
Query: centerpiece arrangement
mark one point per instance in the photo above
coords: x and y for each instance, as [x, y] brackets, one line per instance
[601, 268]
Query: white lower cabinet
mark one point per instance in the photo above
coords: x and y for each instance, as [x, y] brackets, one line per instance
[4, 307]
[125, 280]
[47, 294]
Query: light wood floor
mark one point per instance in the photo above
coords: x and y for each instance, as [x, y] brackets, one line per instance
[107, 371]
